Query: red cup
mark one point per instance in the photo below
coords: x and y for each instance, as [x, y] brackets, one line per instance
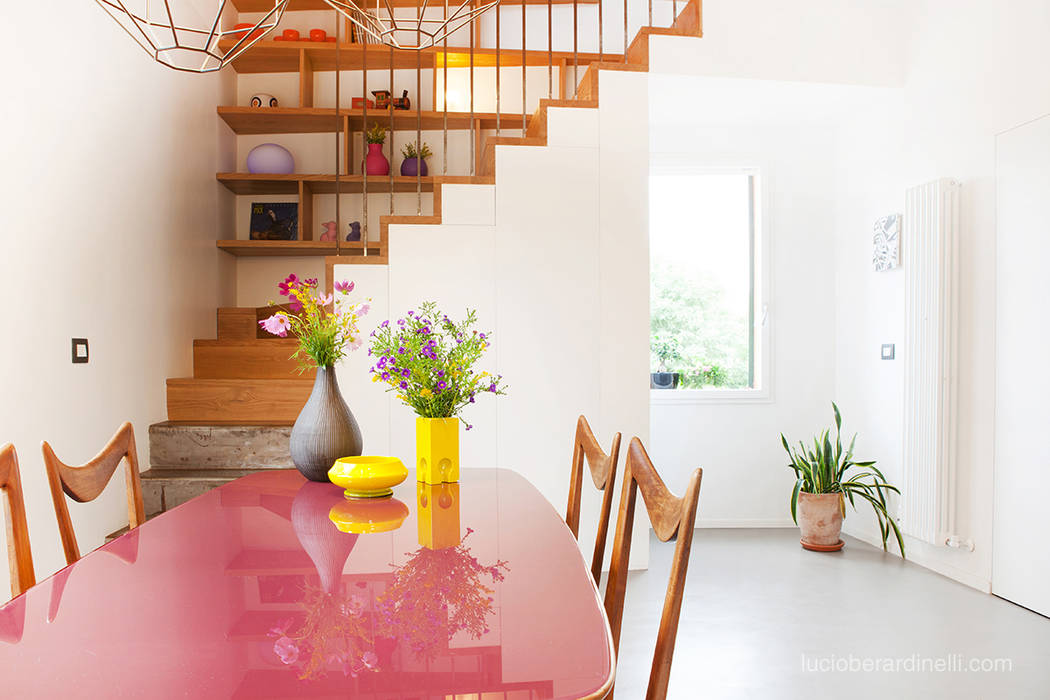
[318, 35]
[290, 35]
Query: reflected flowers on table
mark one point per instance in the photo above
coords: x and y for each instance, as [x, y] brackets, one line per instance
[336, 633]
[436, 594]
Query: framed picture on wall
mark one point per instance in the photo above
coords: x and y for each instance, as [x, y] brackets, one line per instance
[886, 250]
[274, 221]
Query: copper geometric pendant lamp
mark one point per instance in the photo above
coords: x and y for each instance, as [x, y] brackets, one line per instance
[412, 32]
[186, 35]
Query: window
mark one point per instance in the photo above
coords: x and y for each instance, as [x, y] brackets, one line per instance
[705, 240]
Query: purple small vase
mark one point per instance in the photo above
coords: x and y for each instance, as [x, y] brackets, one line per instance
[408, 167]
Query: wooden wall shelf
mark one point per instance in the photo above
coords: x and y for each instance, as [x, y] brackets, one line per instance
[255, 249]
[267, 5]
[308, 120]
[268, 56]
[265, 183]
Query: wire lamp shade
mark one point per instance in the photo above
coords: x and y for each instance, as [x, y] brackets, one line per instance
[379, 25]
[186, 35]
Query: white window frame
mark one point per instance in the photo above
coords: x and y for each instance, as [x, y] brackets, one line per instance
[762, 350]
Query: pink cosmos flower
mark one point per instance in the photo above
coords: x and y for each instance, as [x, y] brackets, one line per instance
[363, 310]
[344, 287]
[290, 282]
[324, 299]
[277, 324]
[369, 659]
[286, 649]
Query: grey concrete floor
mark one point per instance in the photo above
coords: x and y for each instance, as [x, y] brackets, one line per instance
[758, 609]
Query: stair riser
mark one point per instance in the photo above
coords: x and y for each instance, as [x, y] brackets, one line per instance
[237, 400]
[264, 359]
[160, 495]
[219, 447]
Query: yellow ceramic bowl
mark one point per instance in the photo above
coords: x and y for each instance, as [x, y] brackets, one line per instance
[361, 516]
[367, 477]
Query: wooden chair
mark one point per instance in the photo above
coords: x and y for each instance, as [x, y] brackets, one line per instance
[86, 482]
[670, 517]
[603, 474]
[19, 555]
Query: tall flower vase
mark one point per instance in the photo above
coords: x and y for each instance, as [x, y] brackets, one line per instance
[325, 429]
[437, 450]
[375, 162]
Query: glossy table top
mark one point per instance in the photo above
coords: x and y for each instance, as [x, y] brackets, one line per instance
[272, 586]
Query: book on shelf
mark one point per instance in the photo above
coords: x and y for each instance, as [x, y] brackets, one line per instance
[274, 221]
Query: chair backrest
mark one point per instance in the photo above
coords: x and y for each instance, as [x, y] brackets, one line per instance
[85, 482]
[19, 556]
[585, 448]
[671, 517]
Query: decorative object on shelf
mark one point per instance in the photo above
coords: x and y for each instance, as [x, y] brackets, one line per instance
[185, 35]
[274, 221]
[360, 102]
[375, 162]
[402, 102]
[664, 352]
[438, 594]
[355, 231]
[382, 99]
[367, 476]
[409, 33]
[823, 482]
[413, 165]
[262, 99]
[318, 35]
[367, 516]
[325, 429]
[427, 360]
[329, 231]
[271, 158]
[437, 515]
[886, 253]
[290, 35]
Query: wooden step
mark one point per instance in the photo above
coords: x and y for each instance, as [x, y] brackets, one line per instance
[244, 400]
[235, 323]
[247, 359]
[488, 162]
[190, 446]
[163, 489]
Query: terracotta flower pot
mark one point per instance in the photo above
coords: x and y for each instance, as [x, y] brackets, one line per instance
[820, 520]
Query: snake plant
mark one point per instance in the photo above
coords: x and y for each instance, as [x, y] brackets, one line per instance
[827, 468]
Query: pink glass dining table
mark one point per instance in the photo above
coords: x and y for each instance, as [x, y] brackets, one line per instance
[275, 587]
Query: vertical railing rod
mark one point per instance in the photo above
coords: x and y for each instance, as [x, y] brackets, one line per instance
[473, 147]
[364, 127]
[524, 61]
[498, 13]
[419, 119]
[601, 32]
[575, 48]
[625, 31]
[550, 51]
[650, 13]
[444, 102]
[390, 106]
[674, 11]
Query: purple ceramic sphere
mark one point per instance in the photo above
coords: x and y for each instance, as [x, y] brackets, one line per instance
[271, 158]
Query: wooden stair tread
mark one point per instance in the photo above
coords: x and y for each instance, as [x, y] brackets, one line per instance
[236, 399]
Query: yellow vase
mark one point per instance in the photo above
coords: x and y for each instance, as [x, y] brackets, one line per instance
[437, 515]
[437, 450]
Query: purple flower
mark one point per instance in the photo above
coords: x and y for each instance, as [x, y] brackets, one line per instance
[472, 398]
[384, 324]
[406, 372]
[482, 336]
[439, 373]
[382, 363]
[400, 321]
[385, 376]
[442, 385]
[403, 385]
[402, 350]
[411, 313]
[492, 387]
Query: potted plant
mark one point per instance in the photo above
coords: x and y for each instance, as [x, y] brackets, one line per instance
[428, 360]
[325, 429]
[413, 160]
[825, 477]
[375, 162]
[665, 352]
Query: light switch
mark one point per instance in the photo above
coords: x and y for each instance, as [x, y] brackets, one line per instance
[80, 351]
[889, 351]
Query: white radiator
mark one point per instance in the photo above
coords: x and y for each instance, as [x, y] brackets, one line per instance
[930, 258]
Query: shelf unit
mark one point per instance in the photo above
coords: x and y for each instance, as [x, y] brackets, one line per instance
[267, 5]
[313, 120]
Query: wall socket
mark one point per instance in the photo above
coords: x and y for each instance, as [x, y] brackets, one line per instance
[889, 351]
[80, 351]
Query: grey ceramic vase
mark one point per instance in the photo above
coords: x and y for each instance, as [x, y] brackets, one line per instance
[325, 429]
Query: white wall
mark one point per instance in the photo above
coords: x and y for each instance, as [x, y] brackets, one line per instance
[110, 207]
[976, 71]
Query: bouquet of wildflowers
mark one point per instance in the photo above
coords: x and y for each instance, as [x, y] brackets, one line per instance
[428, 360]
[324, 327]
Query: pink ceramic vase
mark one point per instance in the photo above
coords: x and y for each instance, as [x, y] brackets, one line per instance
[375, 162]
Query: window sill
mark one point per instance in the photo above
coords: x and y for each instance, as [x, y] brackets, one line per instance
[676, 397]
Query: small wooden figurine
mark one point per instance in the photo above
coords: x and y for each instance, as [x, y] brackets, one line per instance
[355, 231]
[329, 231]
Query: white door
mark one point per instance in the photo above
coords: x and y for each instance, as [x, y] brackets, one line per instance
[1021, 557]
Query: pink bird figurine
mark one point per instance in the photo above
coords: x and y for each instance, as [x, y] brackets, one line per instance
[329, 231]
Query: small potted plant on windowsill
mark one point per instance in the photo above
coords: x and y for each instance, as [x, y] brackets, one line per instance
[412, 160]
[375, 162]
[825, 477]
[665, 352]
